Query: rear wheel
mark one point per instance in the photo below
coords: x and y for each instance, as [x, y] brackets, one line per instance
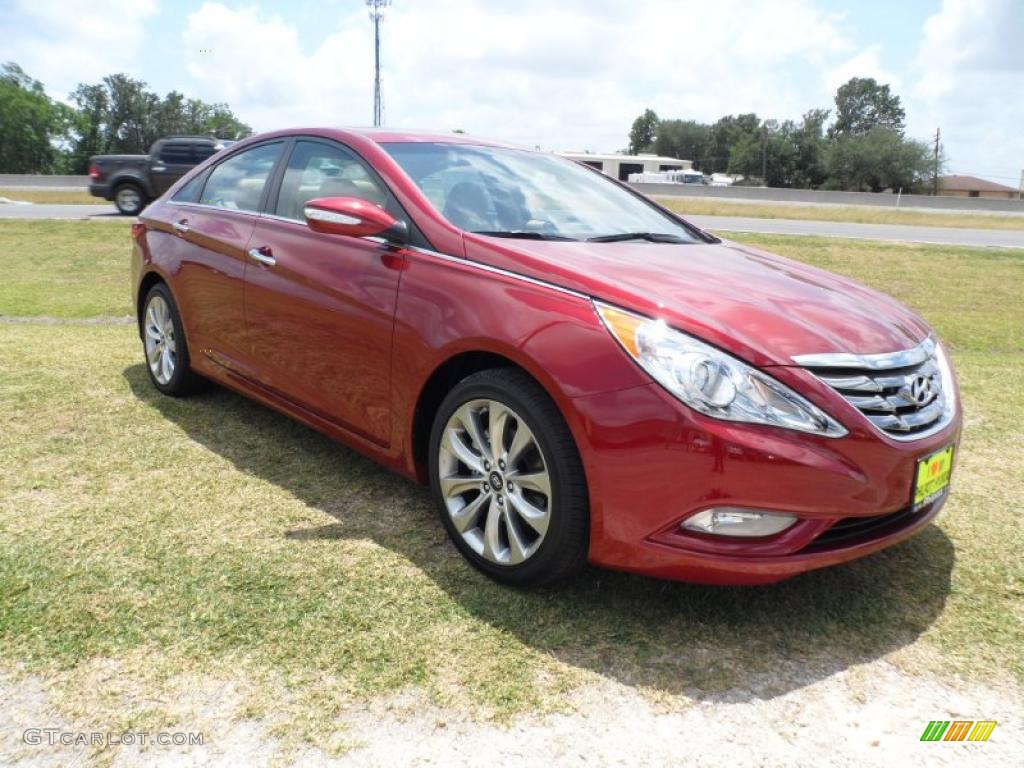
[128, 199]
[163, 342]
[507, 479]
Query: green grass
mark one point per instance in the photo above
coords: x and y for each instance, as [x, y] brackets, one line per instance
[73, 269]
[860, 214]
[156, 544]
[74, 196]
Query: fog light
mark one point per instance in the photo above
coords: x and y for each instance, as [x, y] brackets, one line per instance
[734, 521]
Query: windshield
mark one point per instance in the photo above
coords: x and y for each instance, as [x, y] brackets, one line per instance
[513, 192]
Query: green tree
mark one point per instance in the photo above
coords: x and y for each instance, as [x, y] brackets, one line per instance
[809, 138]
[877, 160]
[769, 154]
[643, 132]
[685, 139]
[31, 124]
[120, 116]
[726, 133]
[862, 104]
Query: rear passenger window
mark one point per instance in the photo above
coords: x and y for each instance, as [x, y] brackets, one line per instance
[176, 154]
[323, 170]
[237, 183]
[190, 192]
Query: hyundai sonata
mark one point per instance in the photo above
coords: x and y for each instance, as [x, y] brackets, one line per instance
[577, 372]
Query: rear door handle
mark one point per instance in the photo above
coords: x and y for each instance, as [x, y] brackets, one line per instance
[181, 226]
[262, 255]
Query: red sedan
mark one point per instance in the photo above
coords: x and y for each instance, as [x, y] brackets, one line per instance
[578, 373]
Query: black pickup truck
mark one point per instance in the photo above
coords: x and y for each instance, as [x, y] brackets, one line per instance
[132, 181]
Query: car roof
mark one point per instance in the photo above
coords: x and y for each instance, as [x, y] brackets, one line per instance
[399, 136]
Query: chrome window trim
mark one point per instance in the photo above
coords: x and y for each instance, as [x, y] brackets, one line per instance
[208, 207]
[426, 251]
[875, 362]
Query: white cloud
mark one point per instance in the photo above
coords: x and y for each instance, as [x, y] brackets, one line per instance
[66, 42]
[257, 65]
[572, 74]
[969, 74]
[866, 63]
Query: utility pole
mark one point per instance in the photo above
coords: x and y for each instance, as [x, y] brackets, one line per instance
[376, 16]
[764, 153]
[935, 175]
[1020, 192]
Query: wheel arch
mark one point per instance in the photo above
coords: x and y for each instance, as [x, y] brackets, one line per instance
[446, 375]
[146, 283]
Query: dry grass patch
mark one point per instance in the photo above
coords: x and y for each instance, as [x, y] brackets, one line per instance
[151, 545]
[66, 196]
[858, 214]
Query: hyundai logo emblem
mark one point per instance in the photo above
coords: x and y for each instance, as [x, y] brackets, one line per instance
[918, 390]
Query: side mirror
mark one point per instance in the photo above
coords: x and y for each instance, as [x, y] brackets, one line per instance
[354, 217]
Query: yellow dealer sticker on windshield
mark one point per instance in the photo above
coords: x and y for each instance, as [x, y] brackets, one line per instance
[933, 476]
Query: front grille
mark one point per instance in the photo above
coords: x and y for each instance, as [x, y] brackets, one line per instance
[901, 394]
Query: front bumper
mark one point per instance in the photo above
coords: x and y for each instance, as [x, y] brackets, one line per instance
[651, 462]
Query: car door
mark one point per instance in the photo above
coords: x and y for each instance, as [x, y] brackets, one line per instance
[172, 161]
[212, 221]
[320, 308]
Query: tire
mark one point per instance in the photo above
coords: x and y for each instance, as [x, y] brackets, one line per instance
[164, 347]
[129, 199]
[497, 527]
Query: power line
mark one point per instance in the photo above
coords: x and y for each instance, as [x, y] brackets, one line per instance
[376, 16]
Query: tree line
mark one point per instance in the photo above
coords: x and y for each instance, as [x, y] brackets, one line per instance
[863, 149]
[118, 115]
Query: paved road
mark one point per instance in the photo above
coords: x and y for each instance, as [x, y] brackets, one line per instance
[894, 232]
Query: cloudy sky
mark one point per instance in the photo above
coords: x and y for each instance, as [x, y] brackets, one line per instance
[567, 75]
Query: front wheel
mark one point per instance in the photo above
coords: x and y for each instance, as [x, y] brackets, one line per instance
[507, 479]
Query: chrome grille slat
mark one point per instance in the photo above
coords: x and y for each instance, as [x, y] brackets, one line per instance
[872, 403]
[899, 393]
[856, 383]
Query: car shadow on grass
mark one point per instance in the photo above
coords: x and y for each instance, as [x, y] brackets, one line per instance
[722, 643]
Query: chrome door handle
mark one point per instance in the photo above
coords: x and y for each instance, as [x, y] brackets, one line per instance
[159, 168]
[180, 226]
[263, 258]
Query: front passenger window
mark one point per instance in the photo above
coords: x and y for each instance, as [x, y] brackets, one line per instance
[322, 170]
[237, 183]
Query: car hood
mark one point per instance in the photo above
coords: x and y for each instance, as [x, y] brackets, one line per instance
[758, 305]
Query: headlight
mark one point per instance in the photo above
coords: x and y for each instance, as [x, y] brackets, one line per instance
[711, 381]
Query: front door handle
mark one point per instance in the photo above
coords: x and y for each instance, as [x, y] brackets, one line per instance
[181, 226]
[263, 256]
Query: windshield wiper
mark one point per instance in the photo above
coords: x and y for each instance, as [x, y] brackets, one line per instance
[523, 235]
[654, 237]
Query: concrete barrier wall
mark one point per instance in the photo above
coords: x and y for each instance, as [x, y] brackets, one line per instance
[38, 181]
[759, 194]
[771, 194]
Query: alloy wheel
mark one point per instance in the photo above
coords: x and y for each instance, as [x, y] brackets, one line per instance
[495, 481]
[161, 353]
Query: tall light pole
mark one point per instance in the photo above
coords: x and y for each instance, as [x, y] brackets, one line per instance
[376, 16]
